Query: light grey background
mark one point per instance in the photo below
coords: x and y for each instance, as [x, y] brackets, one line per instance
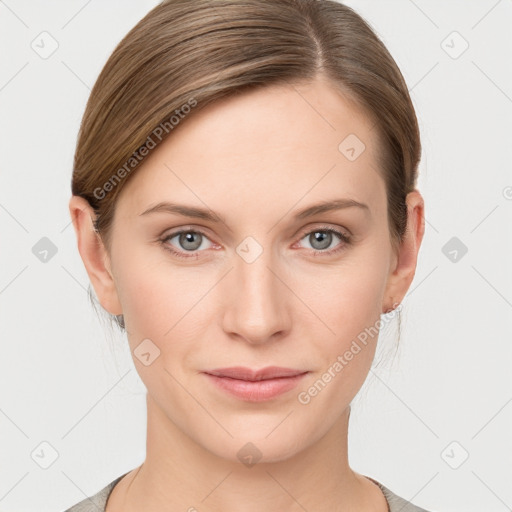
[448, 393]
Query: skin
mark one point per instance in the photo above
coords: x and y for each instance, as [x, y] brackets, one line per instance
[254, 159]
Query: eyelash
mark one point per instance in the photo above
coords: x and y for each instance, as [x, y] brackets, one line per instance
[346, 239]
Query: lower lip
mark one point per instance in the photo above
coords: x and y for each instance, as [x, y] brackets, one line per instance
[256, 391]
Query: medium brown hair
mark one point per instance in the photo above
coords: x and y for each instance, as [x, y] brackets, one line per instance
[184, 55]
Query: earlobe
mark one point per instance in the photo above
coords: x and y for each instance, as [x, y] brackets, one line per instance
[94, 254]
[402, 272]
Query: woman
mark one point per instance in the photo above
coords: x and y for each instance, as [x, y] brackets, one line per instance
[245, 206]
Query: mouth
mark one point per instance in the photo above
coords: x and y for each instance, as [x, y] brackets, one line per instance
[255, 385]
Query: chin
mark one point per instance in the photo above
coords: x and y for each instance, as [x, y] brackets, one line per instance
[252, 446]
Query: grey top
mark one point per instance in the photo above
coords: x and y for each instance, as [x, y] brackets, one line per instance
[98, 502]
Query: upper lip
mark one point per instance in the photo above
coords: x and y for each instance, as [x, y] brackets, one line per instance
[243, 373]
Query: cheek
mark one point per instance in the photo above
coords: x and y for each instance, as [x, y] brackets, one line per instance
[350, 308]
[162, 302]
[348, 301]
[152, 291]
[347, 296]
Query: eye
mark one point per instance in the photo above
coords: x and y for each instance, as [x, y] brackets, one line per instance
[188, 240]
[323, 237]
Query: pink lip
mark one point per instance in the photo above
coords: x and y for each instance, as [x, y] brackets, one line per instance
[256, 385]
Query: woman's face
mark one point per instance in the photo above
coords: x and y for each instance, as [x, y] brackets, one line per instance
[265, 285]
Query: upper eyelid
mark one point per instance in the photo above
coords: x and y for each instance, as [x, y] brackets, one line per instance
[325, 227]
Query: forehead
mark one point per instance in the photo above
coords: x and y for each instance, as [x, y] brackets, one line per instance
[275, 146]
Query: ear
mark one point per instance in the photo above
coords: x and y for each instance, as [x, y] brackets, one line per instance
[404, 263]
[94, 255]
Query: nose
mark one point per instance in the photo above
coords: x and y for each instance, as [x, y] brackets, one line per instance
[257, 301]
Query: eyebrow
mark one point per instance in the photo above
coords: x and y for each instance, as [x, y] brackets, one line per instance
[209, 215]
[327, 206]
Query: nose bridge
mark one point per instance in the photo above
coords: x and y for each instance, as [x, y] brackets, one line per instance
[256, 306]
